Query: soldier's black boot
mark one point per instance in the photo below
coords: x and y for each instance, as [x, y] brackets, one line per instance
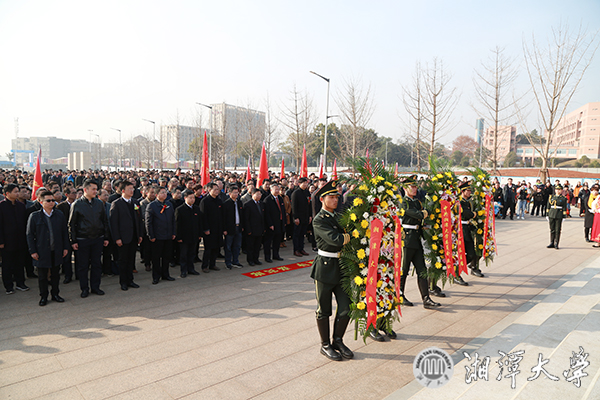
[339, 328]
[375, 335]
[458, 279]
[391, 334]
[428, 303]
[551, 245]
[326, 349]
[474, 265]
[405, 301]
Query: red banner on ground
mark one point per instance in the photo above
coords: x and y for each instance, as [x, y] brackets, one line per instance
[277, 270]
[447, 235]
[371, 290]
[398, 259]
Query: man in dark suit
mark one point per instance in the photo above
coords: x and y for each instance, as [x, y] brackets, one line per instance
[509, 192]
[160, 226]
[254, 226]
[65, 208]
[233, 216]
[126, 231]
[48, 242]
[211, 210]
[274, 223]
[301, 216]
[188, 227]
[13, 241]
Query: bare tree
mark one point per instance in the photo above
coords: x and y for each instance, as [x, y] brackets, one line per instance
[493, 91]
[298, 118]
[439, 101]
[253, 130]
[554, 73]
[412, 99]
[195, 146]
[271, 133]
[356, 109]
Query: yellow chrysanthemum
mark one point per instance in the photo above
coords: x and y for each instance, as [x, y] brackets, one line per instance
[355, 233]
[395, 187]
[434, 237]
[480, 212]
[353, 217]
[361, 265]
[438, 265]
[363, 187]
[383, 204]
[380, 178]
[360, 305]
[449, 182]
[480, 246]
[434, 198]
[381, 304]
[479, 231]
[448, 191]
[358, 201]
[358, 280]
[432, 217]
[374, 181]
[401, 212]
[449, 174]
[368, 233]
[386, 183]
[384, 269]
[390, 193]
[379, 283]
[364, 223]
[360, 254]
[437, 210]
[439, 176]
[436, 226]
[434, 246]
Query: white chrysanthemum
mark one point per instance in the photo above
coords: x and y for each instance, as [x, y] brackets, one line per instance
[380, 189]
[364, 271]
[367, 251]
[366, 215]
[363, 241]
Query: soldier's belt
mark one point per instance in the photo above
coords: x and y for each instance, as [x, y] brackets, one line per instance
[464, 222]
[328, 254]
[556, 207]
[410, 226]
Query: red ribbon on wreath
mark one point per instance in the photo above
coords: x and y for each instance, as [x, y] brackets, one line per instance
[371, 289]
[447, 235]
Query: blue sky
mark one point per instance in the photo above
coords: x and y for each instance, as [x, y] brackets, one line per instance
[70, 66]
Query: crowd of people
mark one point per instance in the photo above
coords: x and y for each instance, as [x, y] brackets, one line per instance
[89, 224]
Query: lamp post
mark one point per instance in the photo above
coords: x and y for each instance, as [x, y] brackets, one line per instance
[91, 158]
[326, 119]
[209, 136]
[91, 132]
[153, 139]
[120, 147]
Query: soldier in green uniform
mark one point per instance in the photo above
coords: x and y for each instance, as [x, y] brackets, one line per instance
[466, 218]
[412, 249]
[557, 209]
[330, 238]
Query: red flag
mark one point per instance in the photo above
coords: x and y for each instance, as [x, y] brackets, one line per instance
[304, 166]
[321, 168]
[334, 173]
[282, 169]
[263, 168]
[204, 174]
[248, 176]
[37, 177]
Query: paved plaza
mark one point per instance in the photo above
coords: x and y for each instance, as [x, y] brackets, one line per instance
[223, 335]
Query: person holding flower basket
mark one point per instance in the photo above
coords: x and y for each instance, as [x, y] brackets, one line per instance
[330, 238]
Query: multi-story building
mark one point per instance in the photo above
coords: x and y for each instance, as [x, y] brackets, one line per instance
[52, 147]
[236, 126]
[507, 141]
[577, 134]
[479, 129]
[176, 141]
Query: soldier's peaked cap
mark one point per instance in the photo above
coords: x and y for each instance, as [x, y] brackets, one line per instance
[465, 185]
[409, 180]
[558, 186]
[329, 188]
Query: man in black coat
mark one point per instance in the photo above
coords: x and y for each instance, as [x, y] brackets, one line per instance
[233, 216]
[509, 192]
[254, 226]
[48, 242]
[301, 216]
[160, 226]
[126, 232]
[13, 241]
[211, 210]
[65, 208]
[274, 223]
[188, 227]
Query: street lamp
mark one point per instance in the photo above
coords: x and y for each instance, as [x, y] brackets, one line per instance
[120, 147]
[98, 136]
[153, 139]
[211, 131]
[91, 133]
[326, 119]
